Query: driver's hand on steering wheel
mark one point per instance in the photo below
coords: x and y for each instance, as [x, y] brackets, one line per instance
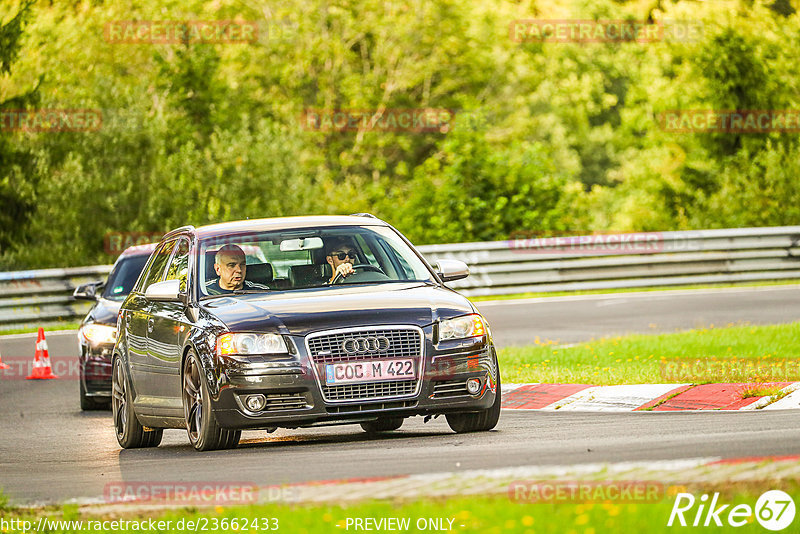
[345, 269]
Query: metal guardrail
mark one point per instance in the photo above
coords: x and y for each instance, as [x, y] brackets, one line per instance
[28, 298]
[613, 261]
[603, 261]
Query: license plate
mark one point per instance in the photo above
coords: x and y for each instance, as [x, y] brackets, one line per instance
[369, 371]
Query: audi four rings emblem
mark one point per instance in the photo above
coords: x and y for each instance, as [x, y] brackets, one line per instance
[365, 344]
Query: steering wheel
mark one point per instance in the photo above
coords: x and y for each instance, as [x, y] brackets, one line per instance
[367, 267]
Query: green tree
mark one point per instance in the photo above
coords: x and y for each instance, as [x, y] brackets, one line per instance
[16, 162]
[472, 191]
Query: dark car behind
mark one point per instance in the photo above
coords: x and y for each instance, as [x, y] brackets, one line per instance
[98, 330]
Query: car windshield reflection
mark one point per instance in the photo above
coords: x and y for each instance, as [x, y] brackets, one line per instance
[307, 259]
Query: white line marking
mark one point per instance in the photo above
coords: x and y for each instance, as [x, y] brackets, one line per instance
[636, 294]
[46, 333]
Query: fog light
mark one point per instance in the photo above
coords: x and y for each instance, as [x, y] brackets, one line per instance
[255, 403]
[473, 386]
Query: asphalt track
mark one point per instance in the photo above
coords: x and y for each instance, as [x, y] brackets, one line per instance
[575, 319]
[51, 452]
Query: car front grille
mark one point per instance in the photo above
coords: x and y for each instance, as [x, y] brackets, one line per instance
[285, 401]
[403, 342]
[450, 388]
[371, 390]
[371, 407]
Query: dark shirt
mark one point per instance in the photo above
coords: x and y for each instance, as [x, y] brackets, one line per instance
[213, 287]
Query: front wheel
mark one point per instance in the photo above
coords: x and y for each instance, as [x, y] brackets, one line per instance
[201, 425]
[130, 432]
[477, 421]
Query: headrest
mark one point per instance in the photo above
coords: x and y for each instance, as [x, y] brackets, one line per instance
[306, 275]
[210, 272]
[260, 273]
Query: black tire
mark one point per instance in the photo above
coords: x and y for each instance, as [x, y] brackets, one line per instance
[384, 424]
[130, 433]
[481, 421]
[201, 425]
[90, 403]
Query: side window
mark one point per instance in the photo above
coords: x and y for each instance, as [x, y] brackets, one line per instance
[160, 259]
[179, 266]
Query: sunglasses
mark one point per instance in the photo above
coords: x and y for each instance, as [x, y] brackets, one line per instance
[343, 255]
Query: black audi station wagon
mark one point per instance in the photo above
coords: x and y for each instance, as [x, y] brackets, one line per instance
[215, 343]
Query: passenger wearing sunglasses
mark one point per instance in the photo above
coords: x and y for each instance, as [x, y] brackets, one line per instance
[341, 257]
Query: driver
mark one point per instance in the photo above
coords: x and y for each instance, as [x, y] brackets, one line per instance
[341, 256]
[231, 266]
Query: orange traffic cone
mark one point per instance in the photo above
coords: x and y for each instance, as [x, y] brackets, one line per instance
[3, 365]
[41, 362]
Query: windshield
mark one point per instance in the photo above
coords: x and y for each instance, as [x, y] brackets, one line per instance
[302, 259]
[123, 276]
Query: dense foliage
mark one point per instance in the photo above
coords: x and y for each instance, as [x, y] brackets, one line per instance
[549, 136]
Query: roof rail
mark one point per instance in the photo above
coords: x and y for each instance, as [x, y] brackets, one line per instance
[363, 215]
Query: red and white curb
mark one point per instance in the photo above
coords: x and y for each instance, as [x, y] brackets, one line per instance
[649, 397]
[677, 474]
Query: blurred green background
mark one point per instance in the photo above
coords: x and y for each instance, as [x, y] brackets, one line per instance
[552, 137]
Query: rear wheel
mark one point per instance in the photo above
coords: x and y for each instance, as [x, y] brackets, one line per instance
[201, 425]
[384, 424]
[477, 421]
[130, 433]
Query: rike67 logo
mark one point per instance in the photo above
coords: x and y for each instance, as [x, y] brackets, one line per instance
[774, 510]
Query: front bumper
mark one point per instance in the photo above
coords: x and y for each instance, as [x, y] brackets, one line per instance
[294, 397]
[95, 369]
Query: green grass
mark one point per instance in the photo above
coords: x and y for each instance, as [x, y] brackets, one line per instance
[762, 391]
[481, 514]
[47, 327]
[636, 359]
[515, 296]
[4, 506]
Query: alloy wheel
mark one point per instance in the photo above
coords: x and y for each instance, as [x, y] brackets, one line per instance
[193, 399]
[119, 400]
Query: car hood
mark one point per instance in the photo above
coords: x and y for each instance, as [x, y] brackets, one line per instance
[104, 312]
[300, 312]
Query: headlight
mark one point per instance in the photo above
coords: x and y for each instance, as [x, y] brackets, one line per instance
[98, 334]
[461, 327]
[245, 344]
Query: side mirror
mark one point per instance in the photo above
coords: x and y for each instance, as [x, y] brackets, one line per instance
[166, 291]
[449, 270]
[87, 291]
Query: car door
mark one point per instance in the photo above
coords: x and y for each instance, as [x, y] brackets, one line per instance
[165, 339]
[141, 323]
